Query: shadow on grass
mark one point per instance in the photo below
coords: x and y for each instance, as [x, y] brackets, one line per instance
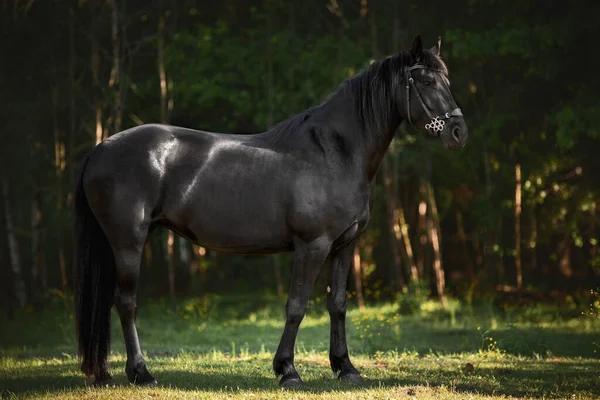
[531, 379]
[170, 338]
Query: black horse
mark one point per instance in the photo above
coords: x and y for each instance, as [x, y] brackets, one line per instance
[302, 186]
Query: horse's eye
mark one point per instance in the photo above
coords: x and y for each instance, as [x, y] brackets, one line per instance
[427, 83]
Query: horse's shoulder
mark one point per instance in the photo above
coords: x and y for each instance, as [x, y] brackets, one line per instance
[330, 141]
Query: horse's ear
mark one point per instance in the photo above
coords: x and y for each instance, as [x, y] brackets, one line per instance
[417, 49]
[438, 45]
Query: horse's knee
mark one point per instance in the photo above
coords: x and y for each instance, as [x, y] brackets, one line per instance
[126, 304]
[295, 311]
[125, 300]
[128, 260]
[127, 264]
[337, 305]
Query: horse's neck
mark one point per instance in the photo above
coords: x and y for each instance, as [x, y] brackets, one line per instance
[378, 142]
[369, 142]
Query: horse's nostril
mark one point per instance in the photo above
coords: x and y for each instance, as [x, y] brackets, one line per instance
[456, 133]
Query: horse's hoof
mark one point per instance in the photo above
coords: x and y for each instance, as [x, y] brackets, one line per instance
[147, 383]
[145, 380]
[351, 377]
[104, 382]
[140, 376]
[291, 382]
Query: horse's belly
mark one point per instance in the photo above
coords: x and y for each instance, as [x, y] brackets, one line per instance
[236, 232]
[254, 249]
[239, 242]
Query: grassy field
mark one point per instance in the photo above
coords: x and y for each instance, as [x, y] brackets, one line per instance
[223, 348]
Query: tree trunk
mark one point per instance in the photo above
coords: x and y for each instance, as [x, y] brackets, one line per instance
[396, 34]
[36, 258]
[148, 253]
[59, 168]
[184, 258]
[533, 238]
[478, 250]
[95, 67]
[498, 256]
[422, 231]
[374, 40]
[99, 131]
[564, 254]
[393, 227]
[5, 278]
[358, 279]
[518, 265]
[292, 81]
[171, 268]
[269, 57]
[402, 226]
[71, 139]
[490, 258]
[161, 69]
[184, 254]
[434, 234]
[115, 75]
[410, 258]
[594, 245]
[13, 248]
[201, 260]
[462, 237]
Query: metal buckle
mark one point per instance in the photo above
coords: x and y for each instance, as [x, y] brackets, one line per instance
[436, 125]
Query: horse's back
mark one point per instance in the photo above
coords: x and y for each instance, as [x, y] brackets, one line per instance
[235, 193]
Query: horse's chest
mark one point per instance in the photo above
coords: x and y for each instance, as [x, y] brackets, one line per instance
[364, 217]
[355, 217]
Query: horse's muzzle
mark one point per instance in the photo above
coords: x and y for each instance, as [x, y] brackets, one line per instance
[455, 134]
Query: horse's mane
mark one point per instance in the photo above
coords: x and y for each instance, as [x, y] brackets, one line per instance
[372, 93]
[280, 132]
[374, 90]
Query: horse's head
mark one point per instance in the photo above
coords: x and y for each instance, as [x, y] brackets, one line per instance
[429, 104]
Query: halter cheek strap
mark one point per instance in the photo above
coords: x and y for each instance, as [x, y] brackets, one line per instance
[437, 123]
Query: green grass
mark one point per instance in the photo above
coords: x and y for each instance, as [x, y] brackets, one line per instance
[223, 348]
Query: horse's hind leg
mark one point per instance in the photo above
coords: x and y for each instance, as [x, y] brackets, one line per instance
[128, 270]
[122, 204]
[127, 236]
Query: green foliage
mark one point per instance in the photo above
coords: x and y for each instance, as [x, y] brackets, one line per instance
[225, 73]
[594, 309]
[489, 346]
[412, 298]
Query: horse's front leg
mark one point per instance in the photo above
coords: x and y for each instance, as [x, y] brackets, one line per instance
[308, 259]
[341, 262]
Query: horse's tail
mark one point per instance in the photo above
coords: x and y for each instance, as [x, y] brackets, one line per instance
[94, 283]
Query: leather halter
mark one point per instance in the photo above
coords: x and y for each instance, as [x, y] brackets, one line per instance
[437, 123]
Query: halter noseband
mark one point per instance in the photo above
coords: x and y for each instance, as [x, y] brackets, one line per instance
[437, 123]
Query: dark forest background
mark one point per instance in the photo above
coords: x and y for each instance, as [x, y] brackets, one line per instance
[516, 212]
